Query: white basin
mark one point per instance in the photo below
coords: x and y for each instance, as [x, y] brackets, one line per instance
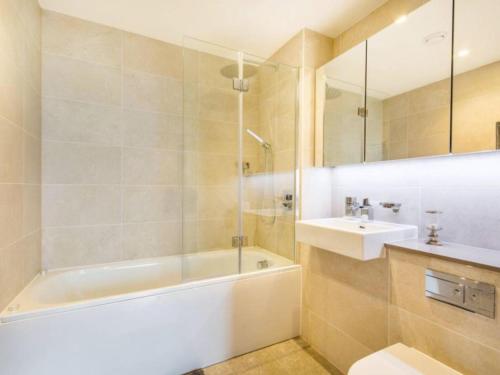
[351, 237]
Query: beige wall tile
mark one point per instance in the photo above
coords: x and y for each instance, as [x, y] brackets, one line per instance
[213, 234]
[19, 145]
[455, 350]
[74, 163]
[342, 350]
[475, 109]
[66, 205]
[217, 202]
[148, 92]
[77, 246]
[70, 121]
[151, 203]
[32, 155]
[143, 240]
[407, 286]
[11, 272]
[31, 256]
[32, 208]
[31, 16]
[216, 169]
[66, 78]
[11, 152]
[11, 213]
[218, 104]
[11, 32]
[360, 314]
[318, 49]
[152, 56]
[11, 84]
[32, 66]
[149, 166]
[149, 129]
[81, 40]
[32, 111]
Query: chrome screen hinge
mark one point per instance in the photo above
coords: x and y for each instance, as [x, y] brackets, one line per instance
[241, 84]
[238, 241]
[362, 112]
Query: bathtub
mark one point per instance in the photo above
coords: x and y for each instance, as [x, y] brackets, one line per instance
[166, 315]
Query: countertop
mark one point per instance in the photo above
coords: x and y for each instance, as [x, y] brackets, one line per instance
[463, 253]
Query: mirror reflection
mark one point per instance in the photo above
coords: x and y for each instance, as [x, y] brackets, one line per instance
[340, 90]
[476, 87]
[408, 85]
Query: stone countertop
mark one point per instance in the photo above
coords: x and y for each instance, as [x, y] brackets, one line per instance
[463, 253]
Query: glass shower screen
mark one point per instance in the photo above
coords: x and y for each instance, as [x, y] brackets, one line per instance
[238, 162]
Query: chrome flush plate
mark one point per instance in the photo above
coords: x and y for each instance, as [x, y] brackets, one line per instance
[459, 291]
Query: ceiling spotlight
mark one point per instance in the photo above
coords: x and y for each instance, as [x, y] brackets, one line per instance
[435, 38]
[401, 19]
[463, 52]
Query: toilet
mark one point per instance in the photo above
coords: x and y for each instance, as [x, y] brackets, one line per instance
[400, 359]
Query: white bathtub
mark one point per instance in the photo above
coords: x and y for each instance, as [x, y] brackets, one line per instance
[162, 316]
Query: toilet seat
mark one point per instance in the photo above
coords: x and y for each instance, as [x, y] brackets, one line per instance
[400, 359]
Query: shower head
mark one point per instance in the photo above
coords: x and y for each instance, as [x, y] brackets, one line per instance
[259, 139]
[232, 71]
[332, 92]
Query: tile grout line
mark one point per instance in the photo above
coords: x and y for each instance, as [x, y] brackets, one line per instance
[428, 321]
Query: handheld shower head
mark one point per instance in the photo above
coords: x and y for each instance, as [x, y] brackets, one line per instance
[259, 139]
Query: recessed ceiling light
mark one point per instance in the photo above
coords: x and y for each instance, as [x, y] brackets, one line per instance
[401, 19]
[435, 37]
[463, 52]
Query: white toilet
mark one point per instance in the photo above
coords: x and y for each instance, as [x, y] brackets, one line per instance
[400, 359]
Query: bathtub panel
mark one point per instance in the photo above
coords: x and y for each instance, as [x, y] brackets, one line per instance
[164, 334]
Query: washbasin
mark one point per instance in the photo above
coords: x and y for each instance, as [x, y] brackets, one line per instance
[352, 237]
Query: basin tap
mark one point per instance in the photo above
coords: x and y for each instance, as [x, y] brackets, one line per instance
[366, 210]
[351, 206]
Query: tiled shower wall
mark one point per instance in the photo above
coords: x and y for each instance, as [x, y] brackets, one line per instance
[277, 125]
[20, 124]
[117, 154]
[211, 151]
[112, 138]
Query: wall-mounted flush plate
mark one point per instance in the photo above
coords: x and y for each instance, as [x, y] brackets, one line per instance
[468, 294]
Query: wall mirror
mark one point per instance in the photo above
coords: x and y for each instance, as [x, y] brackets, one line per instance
[408, 85]
[404, 88]
[340, 93]
[476, 83]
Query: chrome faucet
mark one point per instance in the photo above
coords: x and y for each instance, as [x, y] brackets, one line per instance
[366, 210]
[351, 206]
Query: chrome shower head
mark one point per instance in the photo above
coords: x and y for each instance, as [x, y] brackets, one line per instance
[232, 71]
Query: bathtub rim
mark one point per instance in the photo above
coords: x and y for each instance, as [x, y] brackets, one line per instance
[7, 317]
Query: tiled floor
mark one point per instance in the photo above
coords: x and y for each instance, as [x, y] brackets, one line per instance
[289, 357]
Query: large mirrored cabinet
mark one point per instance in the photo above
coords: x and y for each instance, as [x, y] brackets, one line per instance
[427, 85]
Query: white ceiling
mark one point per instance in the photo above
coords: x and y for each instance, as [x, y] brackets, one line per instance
[259, 27]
